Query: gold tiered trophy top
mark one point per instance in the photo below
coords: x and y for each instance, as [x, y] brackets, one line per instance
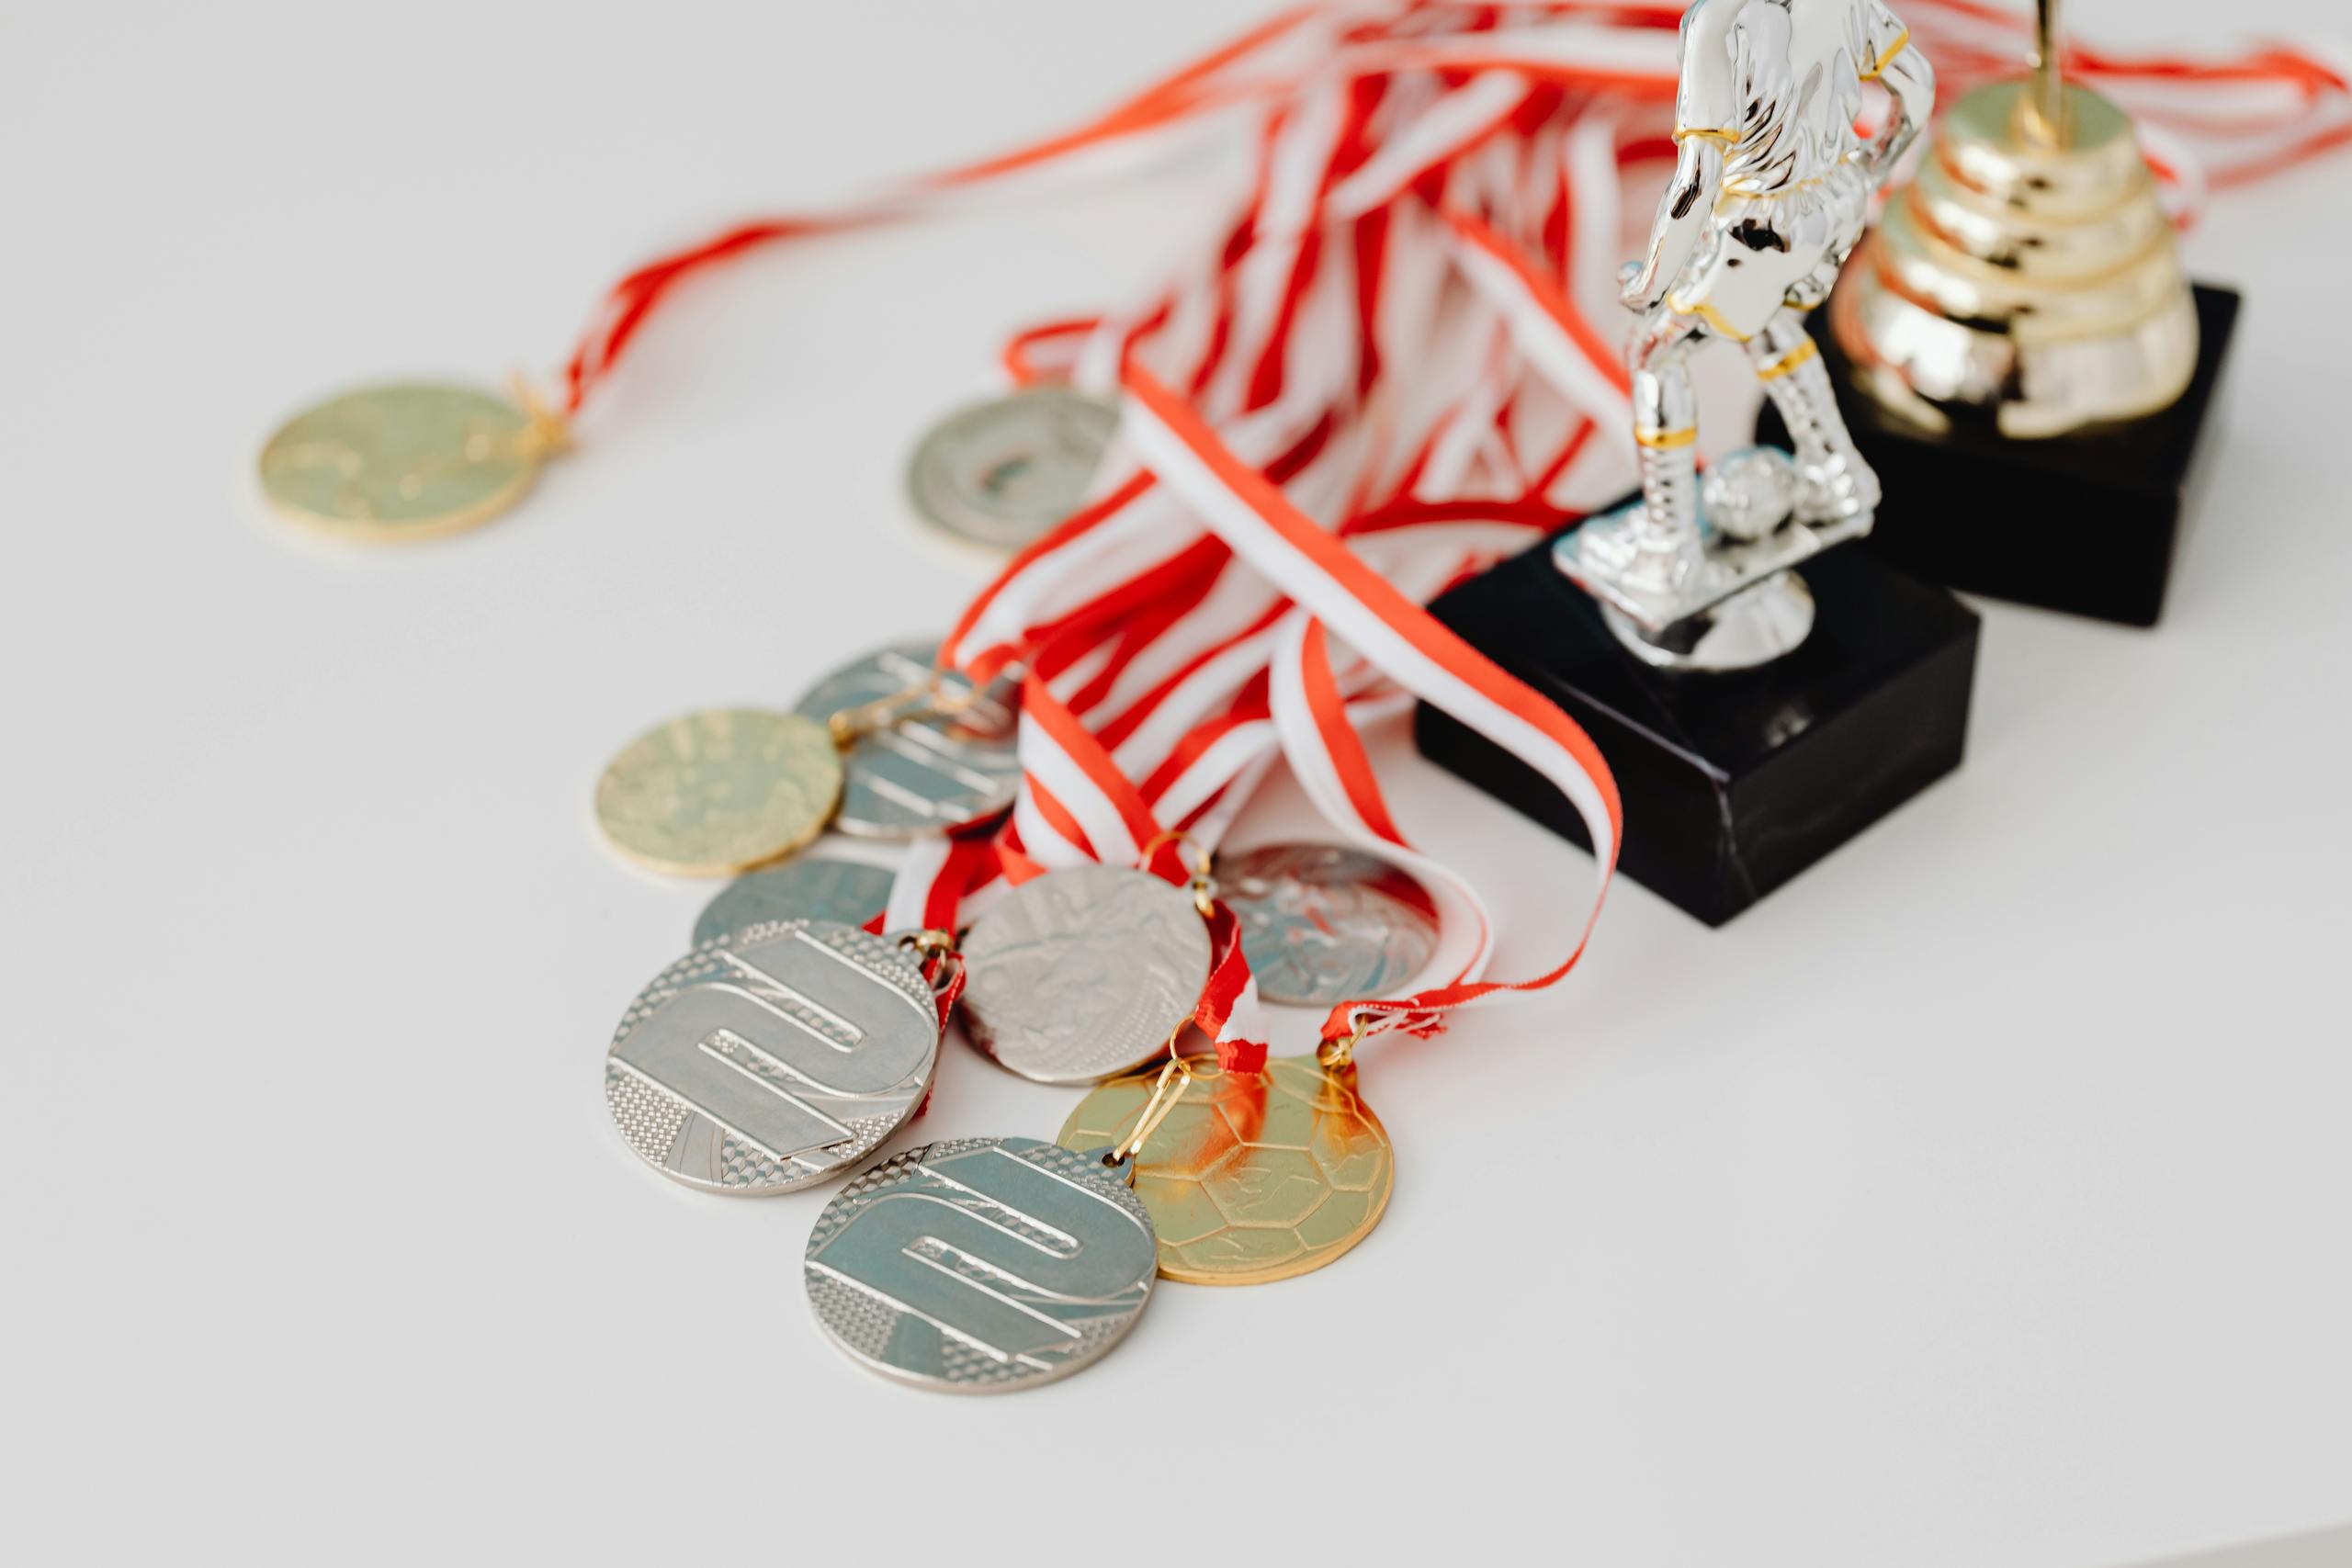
[2029, 274]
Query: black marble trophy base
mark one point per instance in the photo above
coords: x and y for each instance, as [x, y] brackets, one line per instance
[1732, 784]
[2088, 523]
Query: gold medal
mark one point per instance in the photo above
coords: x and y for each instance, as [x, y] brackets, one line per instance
[714, 794]
[407, 462]
[1251, 1177]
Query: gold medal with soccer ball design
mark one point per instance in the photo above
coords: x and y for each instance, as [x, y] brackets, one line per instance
[1253, 1176]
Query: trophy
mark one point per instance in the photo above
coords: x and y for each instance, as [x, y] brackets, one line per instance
[1755, 718]
[2019, 325]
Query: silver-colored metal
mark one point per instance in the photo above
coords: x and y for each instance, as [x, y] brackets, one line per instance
[921, 774]
[1003, 472]
[1084, 974]
[1770, 196]
[810, 887]
[1747, 495]
[773, 1056]
[1322, 923]
[981, 1265]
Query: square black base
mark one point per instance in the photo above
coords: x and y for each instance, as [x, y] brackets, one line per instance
[2088, 523]
[1732, 783]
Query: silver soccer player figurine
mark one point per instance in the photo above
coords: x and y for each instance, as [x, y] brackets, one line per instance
[1770, 194]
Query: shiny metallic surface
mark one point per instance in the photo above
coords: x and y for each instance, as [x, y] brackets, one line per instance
[1254, 1176]
[919, 775]
[2028, 278]
[716, 792]
[1083, 973]
[810, 886]
[1003, 472]
[1771, 194]
[1747, 495]
[1321, 923]
[981, 1265]
[402, 462]
[773, 1056]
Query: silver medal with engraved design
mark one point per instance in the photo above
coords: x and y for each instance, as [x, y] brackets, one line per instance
[1322, 923]
[921, 774]
[1082, 974]
[773, 1056]
[981, 1265]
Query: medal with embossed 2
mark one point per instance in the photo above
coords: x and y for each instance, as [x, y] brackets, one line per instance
[1086, 973]
[984, 1265]
[772, 1057]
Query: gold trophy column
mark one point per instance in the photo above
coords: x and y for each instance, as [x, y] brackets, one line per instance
[2029, 274]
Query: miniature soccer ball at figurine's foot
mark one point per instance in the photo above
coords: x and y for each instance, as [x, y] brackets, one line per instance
[1755, 720]
[1746, 502]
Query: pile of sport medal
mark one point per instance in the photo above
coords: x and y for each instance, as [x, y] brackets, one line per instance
[1228, 504]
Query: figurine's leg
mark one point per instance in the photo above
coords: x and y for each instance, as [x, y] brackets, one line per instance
[1666, 428]
[1833, 481]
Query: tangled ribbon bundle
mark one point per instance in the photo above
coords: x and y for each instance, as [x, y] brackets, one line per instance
[1385, 372]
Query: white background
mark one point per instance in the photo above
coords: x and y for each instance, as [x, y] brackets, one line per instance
[1978, 1199]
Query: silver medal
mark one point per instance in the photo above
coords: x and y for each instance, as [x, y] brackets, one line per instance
[1003, 472]
[773, 1056]
[1084, 974]
[919, 775]
[1321, 923]
[980, 1265]
[810, 887]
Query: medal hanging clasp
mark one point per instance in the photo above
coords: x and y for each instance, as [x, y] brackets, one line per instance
[1201, 884]
[1336, 1054]
[1166, 1095]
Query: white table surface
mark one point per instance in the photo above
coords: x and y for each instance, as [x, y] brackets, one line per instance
[1978, 1199]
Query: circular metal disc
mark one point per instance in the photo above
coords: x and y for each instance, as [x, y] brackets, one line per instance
[1253, 1176]
[1083, 973]
[773, 1056]
[719, 792]
[401, 462]
[1321, 923]
[921, 775]
[807, 887]
[1003, 472]
[981, 1265]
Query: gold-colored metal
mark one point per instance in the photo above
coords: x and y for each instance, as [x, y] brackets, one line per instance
[1249, 1176]
[2044, 108]
[1166, 1093]
[413, 461]
[1202, 886]
[714, 794]
[1340, 1053]
[1668, 440]
[1796, 357]
[1887, 56]
[2028, 280]
[929, 943]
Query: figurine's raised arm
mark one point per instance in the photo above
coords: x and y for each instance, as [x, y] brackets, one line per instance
[1905, 74]
[1707, 124]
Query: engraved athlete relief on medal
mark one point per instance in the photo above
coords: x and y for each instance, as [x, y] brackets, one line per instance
[1322, 922]
[406, 462]
[769, 1058]
[1084, 973]
[981, 1265]
[1003, 472]
[1253, 1176]
[933, 768]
